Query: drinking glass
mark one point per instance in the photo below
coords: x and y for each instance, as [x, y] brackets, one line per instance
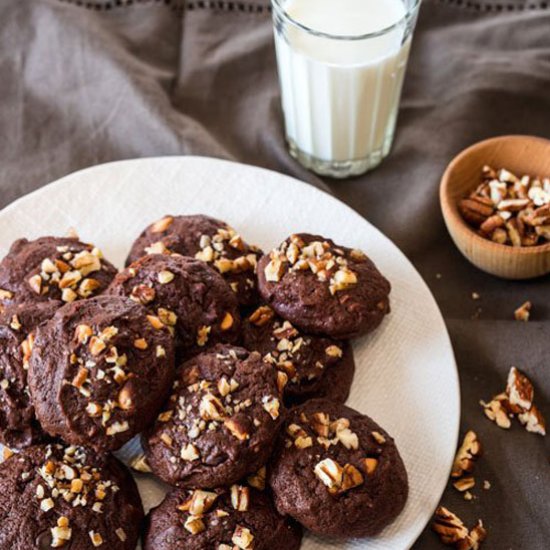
[341, 93]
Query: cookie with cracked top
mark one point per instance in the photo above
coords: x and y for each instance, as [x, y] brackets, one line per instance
[53, 268]
[18, 425]
[186, 295]
[52, 496]
[323, 288]
[207, 239]
[100, 371]
[337, 472]
[221, 421]
[315, 366]
[221, 519]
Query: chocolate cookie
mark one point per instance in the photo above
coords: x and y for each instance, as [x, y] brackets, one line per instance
[185, 294]
[323, 288]
[209, 240]
[53, 496]
[337, 472]
[18, 425]
[223, 519]
[315, 366]
[53, 268]
[221, 421]
[100, 371]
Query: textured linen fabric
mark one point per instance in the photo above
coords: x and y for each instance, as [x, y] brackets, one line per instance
[83, 83]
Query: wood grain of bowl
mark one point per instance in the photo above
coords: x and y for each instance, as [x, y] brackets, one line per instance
[519, 154]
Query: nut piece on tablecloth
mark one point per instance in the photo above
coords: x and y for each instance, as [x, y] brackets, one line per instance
[508, 209]
[523, 312]
[464, 463]
[517, 400]
[453, 532]
[467, 454]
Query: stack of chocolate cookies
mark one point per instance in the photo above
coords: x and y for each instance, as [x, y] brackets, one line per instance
[232, 366]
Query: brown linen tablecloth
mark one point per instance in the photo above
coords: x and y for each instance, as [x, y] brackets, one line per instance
[85, 82]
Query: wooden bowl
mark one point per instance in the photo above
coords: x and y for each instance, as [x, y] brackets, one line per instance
[519, 154]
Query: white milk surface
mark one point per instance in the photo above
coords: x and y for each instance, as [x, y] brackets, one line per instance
[340, 97]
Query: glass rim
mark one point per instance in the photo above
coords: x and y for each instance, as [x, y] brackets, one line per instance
[278, 7]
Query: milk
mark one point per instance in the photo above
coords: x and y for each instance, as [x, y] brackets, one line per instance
[340, 95]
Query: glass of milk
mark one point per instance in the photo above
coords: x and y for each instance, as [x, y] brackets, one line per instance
[341, 68]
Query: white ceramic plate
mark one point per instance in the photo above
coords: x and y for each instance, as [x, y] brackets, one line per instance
[406, 374]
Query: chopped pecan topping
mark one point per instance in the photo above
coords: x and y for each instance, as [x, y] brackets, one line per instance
[257, 480]
[271, 405]
[261, 316]
[143, 294]
[338, 479]
[236, 429]
[329, 472]
[35, 282]
[242, 538]
[140, 464]
[162, 225]
[189, 452]
[370, 465]
[217, 249]
[201, 502]
[240, 498]
[165, 277]
[194, 525]
[328, 263]
[202, 335]
[378, 437]
[5, 294]
[227, 321]
[141, 344]
[211, 408]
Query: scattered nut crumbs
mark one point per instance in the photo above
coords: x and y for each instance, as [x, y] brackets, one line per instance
[517, 400]
[476, 296]
[453, 532]
[509, 210]
[523, 312]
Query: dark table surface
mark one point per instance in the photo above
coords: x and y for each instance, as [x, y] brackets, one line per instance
[86, 82]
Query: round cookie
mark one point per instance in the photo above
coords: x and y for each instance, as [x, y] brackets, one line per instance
[221, 421]
[323, 288]
[337, 472]
[315, 366]
[99, 372]
[53, 496]
[53, 268]
[183, 293]
[18, 425]
[209, 240]
[222, 519]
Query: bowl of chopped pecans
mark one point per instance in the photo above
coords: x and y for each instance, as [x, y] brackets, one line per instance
[495, 199]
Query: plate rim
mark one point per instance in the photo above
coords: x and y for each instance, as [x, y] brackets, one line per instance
[230, 164]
